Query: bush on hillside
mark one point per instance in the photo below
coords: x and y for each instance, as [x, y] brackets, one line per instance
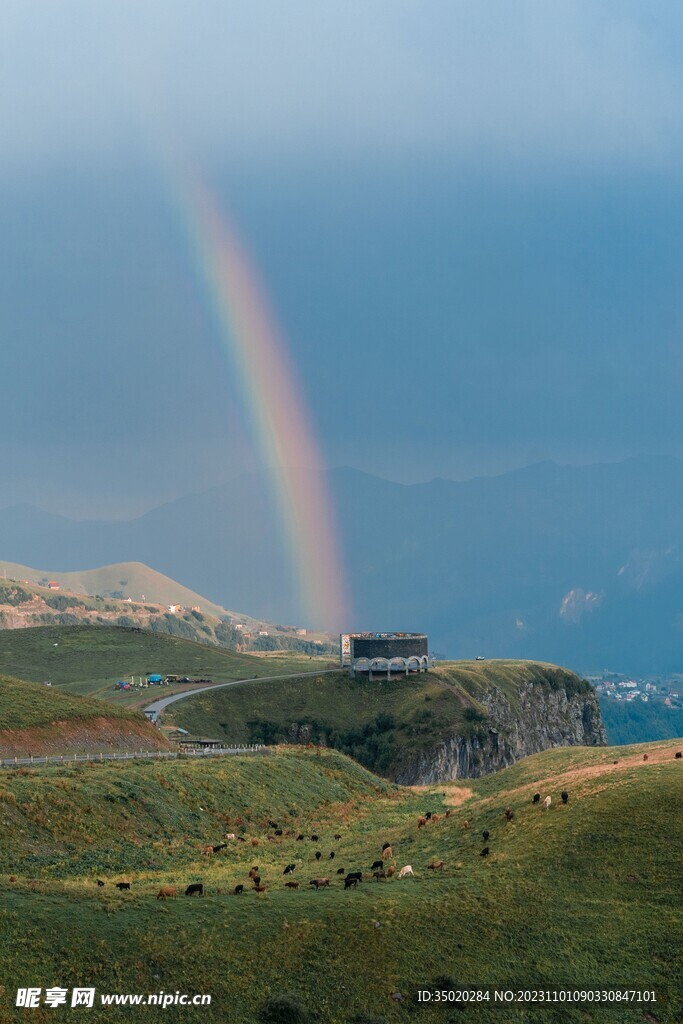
[284, 1009]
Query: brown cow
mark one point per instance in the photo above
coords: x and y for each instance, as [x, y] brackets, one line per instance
[391, 870]
[259, 888]
[436, 817]
[253, 872]
[254, 842]
[319, 883]
[292, 885]
[208, 850]
[167, 892]
[465, 823]
[387, 853]
[437, 865]
[421, 822]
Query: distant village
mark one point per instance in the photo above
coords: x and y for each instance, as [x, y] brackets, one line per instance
[620, 688]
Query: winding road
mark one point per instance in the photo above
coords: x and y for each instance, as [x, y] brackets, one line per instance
[154, 710]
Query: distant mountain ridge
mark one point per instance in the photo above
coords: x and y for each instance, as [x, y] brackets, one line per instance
[577, 565]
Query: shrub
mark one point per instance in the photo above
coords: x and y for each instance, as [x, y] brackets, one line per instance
[284, 1009]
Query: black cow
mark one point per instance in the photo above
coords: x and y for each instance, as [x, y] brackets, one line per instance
[340, 871]
[272, 824]
[314, 839]
[331, 857]
[350, 881]
[318, 854]
[288, 870]
[428, 815]
[278, 831]
[221, 846]
[377, 864]
[300, 837]
[256, 879]
[358, 875]
[484, 852]
[485, 834]
[565, 796]
[537, 798]
[239, 889]
[678, 755]
[337, 836]
[100, 882]
[385, 846]
[123, 885]
[196, 888]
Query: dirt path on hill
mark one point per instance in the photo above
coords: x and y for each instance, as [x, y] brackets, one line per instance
[454, 794]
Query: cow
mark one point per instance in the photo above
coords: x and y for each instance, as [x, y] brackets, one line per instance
[337, 836]
[340, 871]
[239, 889]
[221, 846]
[358, 875]
[289, 869]
[644, 757]
[509, 813]
[272, 824]
[537, 798]
[376, 864]
[314, 839]
[350, 881]
[241, 839]
[300, 837]
[437, 865]
[428, 815]
[387, 853]
[122, 885]
[447, 814]
[405, 871]
[230, 835]
[100, 882]
[278, 831]
[319, 883]
[547, 802]
[292, 885]
[421, 822]
[465, 824]
[318, 854]
[253, 872]
[259, 887]
[485, 834]
[385, 846]
[484, 852]
[256, 879]
[678, 755]
[331, 856]
[377, 875]
[436, 817]
[565, 796]
[208, 850]
[391, 871]
[167, 892]
[254, 842]
[195, 889]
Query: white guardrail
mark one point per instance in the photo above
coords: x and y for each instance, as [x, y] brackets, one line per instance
[247, 748]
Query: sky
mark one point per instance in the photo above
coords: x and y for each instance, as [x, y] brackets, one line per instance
[467, 218]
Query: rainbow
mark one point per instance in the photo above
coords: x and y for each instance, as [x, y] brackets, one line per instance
[288, 448]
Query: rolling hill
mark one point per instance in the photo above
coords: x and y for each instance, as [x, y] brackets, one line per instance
[464, 718]
[90, 659]
[583, 896]
[40, 720]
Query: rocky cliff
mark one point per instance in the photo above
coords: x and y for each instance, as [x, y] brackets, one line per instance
[543, 717]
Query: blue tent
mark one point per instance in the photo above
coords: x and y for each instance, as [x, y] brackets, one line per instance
[155, 679]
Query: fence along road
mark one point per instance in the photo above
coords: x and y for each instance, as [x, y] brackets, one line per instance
[154, 710]
[132, 755]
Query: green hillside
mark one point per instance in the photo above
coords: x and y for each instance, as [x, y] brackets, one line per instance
[584, 895]
[89, 659]
[122, 580]
[26, 705]
[381, 724]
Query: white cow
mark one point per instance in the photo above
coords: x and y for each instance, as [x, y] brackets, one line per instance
[547, 802]
[407, 870]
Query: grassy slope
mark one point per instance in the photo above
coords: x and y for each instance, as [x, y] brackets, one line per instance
[89, 659]
[27, 705]
[339, 707]
[131, 579]
[578, 895]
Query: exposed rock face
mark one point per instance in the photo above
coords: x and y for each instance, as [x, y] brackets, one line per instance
[545, 718]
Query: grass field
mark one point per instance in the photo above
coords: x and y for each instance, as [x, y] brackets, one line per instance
[583, 895]
[382, 724]
[89, 659]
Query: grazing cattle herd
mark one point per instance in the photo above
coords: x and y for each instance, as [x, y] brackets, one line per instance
[351, 879]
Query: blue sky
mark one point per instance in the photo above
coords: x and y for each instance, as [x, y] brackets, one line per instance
[467, 216]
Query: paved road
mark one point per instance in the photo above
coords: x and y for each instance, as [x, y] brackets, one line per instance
[154, 710]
